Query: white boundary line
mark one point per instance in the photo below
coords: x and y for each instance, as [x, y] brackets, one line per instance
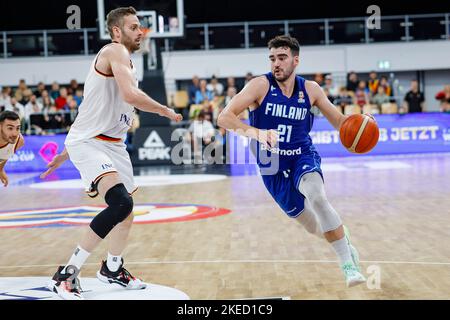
[239, 261]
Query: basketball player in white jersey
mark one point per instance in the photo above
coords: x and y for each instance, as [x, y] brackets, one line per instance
[10, 140]
[95, 145]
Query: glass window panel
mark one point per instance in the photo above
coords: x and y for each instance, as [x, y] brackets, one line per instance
[65, 43]
[226, 37]
[194, 40]
[308, 33]
[259, 35]
[25, 45]
[391, 30]
[347, 32]
[427, 28]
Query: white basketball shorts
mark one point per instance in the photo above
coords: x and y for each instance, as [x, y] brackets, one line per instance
[96, 158]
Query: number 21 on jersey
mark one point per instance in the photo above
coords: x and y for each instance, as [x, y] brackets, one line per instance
[284, 132]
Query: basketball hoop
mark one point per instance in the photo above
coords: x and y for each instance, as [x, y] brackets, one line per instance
[145, 45]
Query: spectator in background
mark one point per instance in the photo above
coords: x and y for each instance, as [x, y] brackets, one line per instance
[361, 94]
[332, 88]
[201, 132]
[373, 83]
[54, 92]
[414, 100]
[46, 102]
[73, 86]
[26, 96]
[61, 101]
[39, 89]
[71, 111]
[248, 77]
[16, 107]
[207, 109]
[386, 85]
[20, 91]
[45, 96]
[329, 96]
[231, 92]
[343, 99]
[352, 81]
[5, 98]
[34, 116]
[318, 77]
[53, 120]
[203, 93]
[192, 89]
[381, 97]
[231, 83]
[78, 97]
[215, 86]
[444, 98]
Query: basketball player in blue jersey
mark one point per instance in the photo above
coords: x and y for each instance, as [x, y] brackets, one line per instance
[281, 119]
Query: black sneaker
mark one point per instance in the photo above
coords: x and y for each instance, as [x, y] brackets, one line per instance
[66, 285]
[121, 277]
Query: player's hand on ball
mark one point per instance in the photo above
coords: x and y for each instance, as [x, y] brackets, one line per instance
[268, 137]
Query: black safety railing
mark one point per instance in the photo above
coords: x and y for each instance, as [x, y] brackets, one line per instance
[210, 36]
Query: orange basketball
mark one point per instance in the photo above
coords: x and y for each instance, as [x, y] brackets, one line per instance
[359, 133]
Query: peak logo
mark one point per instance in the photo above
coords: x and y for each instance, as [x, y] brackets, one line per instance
[82, 215]
[154, 148]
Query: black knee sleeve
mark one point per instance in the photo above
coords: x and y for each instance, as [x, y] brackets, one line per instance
[120, 205]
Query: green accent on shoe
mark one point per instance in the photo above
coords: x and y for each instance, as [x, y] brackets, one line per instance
[353, 251]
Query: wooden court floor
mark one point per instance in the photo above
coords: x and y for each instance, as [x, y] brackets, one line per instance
[399, 217]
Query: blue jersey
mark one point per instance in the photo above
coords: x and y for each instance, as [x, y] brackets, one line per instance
[291, 117]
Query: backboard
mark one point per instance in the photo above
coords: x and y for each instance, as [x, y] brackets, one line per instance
[164, 18]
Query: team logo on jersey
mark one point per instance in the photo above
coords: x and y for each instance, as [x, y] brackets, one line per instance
[82, 215]
[301, 97]
[154, 148]
[272, 88]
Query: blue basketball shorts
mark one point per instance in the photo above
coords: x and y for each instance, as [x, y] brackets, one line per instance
[284, 185]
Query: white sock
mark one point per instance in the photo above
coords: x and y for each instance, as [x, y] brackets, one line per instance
[78, 258]
[342, 250]
[113, 262]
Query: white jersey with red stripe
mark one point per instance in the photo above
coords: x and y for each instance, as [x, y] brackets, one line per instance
[7, 151]
[102, 111]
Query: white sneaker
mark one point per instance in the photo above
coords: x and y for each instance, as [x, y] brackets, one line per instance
[64, 287]
[352, 276]
[354, 252]
[120, 277]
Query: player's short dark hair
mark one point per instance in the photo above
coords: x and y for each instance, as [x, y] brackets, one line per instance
[8, 115]
[285, 41]
[115, 17]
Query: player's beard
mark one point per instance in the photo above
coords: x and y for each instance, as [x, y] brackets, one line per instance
[129, 43]
[285, 76]
[4, 137]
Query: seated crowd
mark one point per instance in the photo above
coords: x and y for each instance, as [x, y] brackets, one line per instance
[43, 109]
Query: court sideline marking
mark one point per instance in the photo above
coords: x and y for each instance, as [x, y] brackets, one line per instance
[240, 261]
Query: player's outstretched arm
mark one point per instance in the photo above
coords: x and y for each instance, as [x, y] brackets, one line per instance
[250, 95]
[119, 60]
[319, 99]
[57, 161]
[3, 176]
